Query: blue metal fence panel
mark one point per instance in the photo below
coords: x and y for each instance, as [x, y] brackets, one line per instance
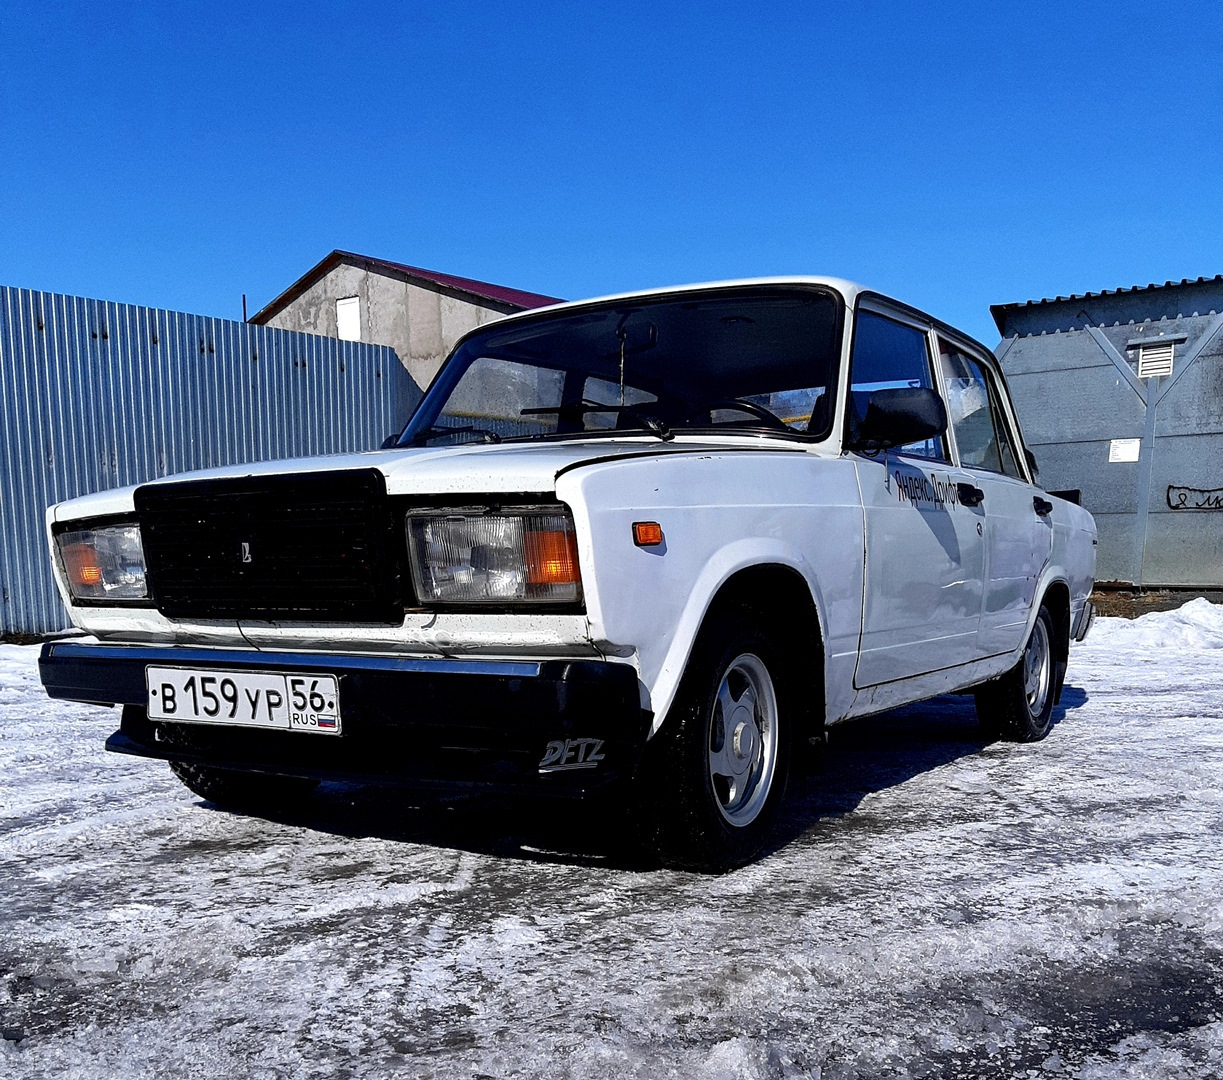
[97, 395]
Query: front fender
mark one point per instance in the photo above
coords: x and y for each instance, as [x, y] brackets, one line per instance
[719, 513]
[725, 563]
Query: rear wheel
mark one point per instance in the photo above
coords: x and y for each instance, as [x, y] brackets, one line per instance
[1018, 706]
[716, 771]
[244, 790]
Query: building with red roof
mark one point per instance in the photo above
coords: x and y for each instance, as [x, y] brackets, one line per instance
[419, 313]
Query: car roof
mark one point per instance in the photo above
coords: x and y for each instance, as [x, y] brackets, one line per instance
[848, 289]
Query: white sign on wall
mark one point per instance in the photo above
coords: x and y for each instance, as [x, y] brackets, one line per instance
[1124, 449]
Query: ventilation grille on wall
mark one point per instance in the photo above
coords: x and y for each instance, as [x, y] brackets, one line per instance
[1155, 360]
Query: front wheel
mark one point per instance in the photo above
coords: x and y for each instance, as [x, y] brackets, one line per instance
[716, 771]
[1018, 706]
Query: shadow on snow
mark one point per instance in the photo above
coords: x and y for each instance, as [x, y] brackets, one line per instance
[879, 752]
[861, 757]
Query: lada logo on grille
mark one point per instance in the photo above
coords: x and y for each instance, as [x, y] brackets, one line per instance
[245, 551]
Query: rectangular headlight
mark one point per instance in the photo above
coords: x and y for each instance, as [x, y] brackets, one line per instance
[527, 556]
[104, 563]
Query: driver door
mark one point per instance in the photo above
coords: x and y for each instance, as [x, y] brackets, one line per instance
[925, 548]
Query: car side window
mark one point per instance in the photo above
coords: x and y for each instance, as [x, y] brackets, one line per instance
[974, 409]
[889, 355]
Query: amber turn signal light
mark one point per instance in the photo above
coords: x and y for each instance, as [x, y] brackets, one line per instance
[81, 562]
[647, 533]
[552, 557]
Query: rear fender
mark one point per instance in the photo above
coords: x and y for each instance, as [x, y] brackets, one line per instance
[1053, 578]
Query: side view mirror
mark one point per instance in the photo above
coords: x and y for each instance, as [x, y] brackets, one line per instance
[898, 417]
[390, 442]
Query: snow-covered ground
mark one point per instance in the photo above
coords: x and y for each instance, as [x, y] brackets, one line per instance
[934, 907]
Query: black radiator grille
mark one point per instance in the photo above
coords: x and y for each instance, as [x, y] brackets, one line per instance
[317, 546]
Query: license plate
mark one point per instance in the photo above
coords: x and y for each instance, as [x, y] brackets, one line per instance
[262, 699]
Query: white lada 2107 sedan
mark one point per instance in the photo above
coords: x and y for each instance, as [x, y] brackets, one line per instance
[656, 540]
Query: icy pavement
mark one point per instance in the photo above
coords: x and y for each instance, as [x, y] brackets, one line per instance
[934, 907]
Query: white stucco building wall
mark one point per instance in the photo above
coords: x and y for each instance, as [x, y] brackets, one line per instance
[421, 314]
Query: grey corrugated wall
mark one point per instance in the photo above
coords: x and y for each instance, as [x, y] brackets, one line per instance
[98, 395]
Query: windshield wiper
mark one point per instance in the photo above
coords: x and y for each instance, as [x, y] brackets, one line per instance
[651, 423]
[436, 432]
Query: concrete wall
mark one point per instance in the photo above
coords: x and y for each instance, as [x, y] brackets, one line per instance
[420, 324]
[1160, 518]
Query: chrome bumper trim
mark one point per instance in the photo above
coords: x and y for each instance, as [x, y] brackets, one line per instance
[178, 655]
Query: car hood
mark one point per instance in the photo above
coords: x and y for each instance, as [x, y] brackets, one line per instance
[479, 468]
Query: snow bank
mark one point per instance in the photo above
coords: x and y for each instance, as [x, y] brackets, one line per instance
[1195, 625]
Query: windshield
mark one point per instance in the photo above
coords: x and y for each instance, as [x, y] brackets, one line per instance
[757, 358]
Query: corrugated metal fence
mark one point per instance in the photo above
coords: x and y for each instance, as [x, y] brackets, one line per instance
[98, 395]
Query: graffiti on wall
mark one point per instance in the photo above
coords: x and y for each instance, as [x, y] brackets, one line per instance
[1187, 498]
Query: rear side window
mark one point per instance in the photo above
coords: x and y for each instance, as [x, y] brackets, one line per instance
[889, 355]
[974, 409]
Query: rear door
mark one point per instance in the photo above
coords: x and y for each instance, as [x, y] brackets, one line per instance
[924, 548]
[1018, 536]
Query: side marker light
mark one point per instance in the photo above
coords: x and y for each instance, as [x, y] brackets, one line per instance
[647, 533]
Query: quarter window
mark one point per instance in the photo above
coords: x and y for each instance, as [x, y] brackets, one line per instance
[889, 355]
[974, 409]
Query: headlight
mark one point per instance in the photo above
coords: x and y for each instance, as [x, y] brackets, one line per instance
[105, 563]
[527, 556]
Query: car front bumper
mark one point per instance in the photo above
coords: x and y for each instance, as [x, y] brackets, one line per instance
[566, 727]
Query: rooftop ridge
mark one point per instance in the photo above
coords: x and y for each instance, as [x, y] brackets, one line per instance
[517, 299]
[999, 311]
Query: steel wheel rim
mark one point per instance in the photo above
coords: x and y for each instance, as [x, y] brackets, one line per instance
[1037, 669]
[741, 748]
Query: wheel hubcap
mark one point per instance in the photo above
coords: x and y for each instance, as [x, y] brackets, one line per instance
[1037, 668]
[743, 739]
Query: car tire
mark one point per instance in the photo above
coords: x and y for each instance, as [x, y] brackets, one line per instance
[711, 783]
[234, 790]
[1018, 706]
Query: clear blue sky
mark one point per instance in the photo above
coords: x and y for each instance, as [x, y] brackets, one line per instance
[955, 155]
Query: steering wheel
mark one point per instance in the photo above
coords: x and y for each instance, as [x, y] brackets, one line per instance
[758, 411]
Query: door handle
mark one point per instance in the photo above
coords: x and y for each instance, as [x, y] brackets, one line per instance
[970, 494]
[1042, 506]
